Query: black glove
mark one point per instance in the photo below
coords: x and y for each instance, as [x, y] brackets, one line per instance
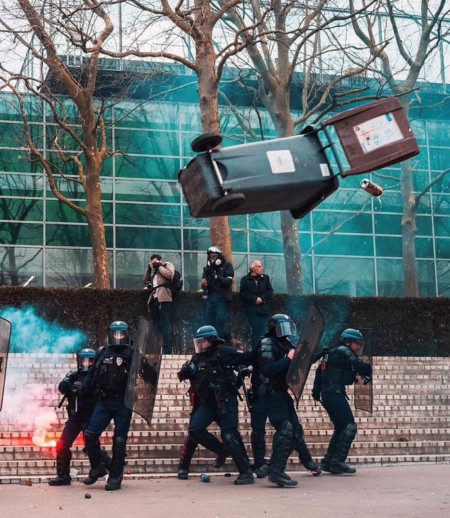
[316, 395]
[186, 371]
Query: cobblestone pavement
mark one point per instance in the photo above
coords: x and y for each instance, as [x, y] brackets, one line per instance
[405, 491]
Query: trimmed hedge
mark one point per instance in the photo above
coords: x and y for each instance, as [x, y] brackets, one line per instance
[401, 326]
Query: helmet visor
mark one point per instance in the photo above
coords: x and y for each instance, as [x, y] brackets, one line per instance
[86, 363]
[285, 328]
[118, 337]
[202, 344]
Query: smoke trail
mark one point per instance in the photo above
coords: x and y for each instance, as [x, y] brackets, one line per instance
[33, 334]
[25, 404]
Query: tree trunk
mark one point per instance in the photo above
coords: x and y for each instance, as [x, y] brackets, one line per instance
[289, 226]
[94, 218]
[409, 230]
[208, 90]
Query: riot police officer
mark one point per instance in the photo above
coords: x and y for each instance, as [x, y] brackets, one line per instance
[79, 409]
[275, 352]
[109, 377]
[214, 385]
[338, 367]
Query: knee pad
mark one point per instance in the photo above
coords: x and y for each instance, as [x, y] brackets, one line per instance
[120, 439]
[350, 430]
[91, 439]
[287, 430]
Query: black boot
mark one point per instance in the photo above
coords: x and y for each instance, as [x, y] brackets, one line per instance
[282, 448]
[305, 456]
[233, 443]
[93, 451]
[187, 452]
[338, 465]
[62, 478]
[117, 463]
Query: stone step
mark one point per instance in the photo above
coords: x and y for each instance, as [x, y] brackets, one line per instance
[410, 422]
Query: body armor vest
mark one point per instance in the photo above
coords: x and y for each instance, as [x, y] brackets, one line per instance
[112, 372]
[212, 381]
[79, 405]
[336, 371]
[271, 350]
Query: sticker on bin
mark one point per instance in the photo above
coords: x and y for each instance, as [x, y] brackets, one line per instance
[378, 132]
[281, 161]
[324, 169]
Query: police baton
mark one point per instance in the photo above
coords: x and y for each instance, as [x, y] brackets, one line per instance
[62, 401]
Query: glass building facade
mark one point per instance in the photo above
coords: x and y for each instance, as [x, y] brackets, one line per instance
[351, 243]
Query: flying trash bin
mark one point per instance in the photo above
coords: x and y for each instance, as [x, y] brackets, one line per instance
[294, 173]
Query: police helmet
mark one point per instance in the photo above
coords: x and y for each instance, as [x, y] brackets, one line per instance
[351, 335]
[281, 325]
[217, 261]
[118, 334]
[85, 358]
[205, 337]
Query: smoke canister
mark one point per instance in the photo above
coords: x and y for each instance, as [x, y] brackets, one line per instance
[204, 477]
[371, 188]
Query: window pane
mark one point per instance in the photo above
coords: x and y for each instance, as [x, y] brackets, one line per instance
[12, 233]
[148, 238]
[354, 277]
[19, 264]
[157, 215]
[338, 244]
[147, 191]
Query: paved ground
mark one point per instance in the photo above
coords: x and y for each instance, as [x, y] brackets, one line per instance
[413, 491]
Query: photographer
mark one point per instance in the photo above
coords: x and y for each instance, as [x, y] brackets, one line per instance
[217, 282]
[159, 303]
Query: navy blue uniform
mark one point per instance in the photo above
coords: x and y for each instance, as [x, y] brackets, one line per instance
[273, 364]
[109, 377]
[337, 369]
[79, 409]
[214, 391]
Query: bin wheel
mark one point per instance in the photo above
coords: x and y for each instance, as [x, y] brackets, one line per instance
[206, 142]
[229, 202]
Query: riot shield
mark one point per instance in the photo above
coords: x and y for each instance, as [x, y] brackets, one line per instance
[144, 372]
[363, 394]
[306, 346]
[5, 334]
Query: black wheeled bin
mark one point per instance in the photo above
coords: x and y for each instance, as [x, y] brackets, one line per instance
[287, 173]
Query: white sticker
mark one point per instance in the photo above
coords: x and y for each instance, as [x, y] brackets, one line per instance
[281, 161]
[324, 170]
[378, 132]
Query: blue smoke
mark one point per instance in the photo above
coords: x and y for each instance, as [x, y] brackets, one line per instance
[30, 333]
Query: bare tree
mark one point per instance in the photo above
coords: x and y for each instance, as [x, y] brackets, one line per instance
[297, 45]
[414, 33]
[43, 31]
[174, 29]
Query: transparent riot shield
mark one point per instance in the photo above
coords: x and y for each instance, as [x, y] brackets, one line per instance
[306, 346]
[5, 334]
[144, 372]
[363, 395]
